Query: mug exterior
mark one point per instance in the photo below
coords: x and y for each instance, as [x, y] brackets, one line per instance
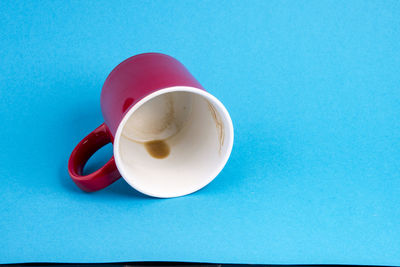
[136, 78]
[127, 87]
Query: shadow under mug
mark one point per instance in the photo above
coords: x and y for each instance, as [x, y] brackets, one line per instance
[170, 137]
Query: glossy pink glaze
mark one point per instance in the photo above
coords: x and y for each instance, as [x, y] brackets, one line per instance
[137, 77]
[129, 82]
[104, 176]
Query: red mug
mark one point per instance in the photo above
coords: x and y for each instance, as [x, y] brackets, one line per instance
[170, 137]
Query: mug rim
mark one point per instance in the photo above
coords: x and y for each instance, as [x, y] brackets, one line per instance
[213, 99]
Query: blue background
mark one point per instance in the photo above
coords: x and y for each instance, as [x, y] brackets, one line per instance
[313, 88]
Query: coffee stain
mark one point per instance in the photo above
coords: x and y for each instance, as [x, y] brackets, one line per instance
[158, 149]
[219, 125]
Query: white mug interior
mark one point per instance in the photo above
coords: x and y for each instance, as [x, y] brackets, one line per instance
[173, 142]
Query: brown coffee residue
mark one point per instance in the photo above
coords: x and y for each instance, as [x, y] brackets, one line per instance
[219, 124]
[158, 149]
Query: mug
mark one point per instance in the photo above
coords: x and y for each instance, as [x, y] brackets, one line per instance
[170, 136]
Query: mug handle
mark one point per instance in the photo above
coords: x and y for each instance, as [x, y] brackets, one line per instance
[104, 176]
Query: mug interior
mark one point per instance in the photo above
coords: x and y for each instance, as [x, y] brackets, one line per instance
[173, 142]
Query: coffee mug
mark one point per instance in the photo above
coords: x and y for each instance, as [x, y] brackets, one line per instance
[170, 136]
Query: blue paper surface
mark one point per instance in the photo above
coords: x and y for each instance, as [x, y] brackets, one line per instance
[313, 89]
